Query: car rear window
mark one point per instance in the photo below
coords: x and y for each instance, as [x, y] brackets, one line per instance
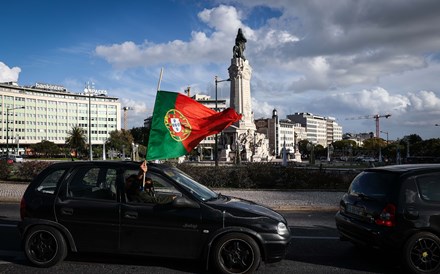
[429, 187]
[373, 184]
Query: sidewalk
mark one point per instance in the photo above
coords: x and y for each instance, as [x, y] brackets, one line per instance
[275, 199]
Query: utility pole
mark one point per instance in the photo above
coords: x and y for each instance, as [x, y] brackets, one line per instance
[216, 109]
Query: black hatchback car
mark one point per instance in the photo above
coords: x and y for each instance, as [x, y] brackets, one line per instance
[396, 207]
[83, 207]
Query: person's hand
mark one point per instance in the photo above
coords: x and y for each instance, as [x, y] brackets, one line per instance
[142, 170]
[144, 167]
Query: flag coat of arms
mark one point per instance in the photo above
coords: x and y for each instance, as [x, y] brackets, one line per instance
[179, 123]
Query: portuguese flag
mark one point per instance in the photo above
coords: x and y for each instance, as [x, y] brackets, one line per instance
[179, 123]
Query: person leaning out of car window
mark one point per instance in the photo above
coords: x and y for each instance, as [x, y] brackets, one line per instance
[143, 194]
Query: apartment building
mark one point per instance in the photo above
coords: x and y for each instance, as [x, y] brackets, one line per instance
[280, 132]
[31, 114]
[320, 130]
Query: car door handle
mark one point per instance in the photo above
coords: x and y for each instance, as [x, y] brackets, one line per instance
[131, 215]
[67, 211]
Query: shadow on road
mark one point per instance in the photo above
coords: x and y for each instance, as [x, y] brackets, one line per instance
[322, 246]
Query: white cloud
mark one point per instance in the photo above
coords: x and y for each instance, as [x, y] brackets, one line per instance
[339, 58]
[200, 49]
[8, 74]
[262, 109]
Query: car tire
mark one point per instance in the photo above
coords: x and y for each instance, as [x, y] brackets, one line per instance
[422, 253]
[236, 253]
[44, 246]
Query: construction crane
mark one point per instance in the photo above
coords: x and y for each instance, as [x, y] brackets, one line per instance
[376, 117]
[188, 91]
[126, 109]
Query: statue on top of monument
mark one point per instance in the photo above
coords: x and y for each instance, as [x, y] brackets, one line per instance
[240, 45]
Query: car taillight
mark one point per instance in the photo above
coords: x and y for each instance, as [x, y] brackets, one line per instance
[22, 208]
[388, 216]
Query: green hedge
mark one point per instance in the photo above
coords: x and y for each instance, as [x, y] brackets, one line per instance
[269, 176]
[24, 171]
[250, 175]
[5, 170]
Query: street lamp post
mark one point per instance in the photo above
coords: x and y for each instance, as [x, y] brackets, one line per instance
[17, 140]
[311, 148]
[7, 128]
[329, 152]
[216, 109]
[386, 132]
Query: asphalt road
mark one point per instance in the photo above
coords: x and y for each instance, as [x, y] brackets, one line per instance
[315, 248]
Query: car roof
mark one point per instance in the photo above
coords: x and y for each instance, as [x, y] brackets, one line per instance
[406, 168]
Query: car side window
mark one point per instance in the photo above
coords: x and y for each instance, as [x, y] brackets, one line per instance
[163, 187]
[161, 191]
[93, 183]
[429, 187]
[49, 184]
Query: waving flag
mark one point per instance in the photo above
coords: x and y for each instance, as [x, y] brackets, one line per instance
[179, 124]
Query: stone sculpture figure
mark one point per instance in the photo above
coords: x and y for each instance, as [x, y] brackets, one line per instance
[240, 45]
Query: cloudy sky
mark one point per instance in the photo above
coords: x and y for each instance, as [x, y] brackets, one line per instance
[341, 58]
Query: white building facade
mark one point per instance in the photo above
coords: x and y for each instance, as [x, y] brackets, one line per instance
[320, 130]
[281, 132]
[49, 112]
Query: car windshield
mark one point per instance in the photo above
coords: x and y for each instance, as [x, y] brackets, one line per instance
[201, 192]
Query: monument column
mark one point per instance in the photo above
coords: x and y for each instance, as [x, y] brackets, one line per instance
[241, 139]
[240, 73]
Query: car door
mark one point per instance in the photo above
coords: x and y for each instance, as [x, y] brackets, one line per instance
[88, 207]
[161, 229]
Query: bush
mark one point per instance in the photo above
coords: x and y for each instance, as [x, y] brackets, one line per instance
[246, 176]
[29, 169]
[5, 170]
[269, 176]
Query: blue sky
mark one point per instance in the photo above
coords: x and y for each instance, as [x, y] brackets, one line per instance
[340, 58]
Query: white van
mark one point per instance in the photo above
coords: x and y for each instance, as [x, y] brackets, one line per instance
[16, 158]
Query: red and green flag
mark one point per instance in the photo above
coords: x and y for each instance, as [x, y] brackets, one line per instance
[179, 123]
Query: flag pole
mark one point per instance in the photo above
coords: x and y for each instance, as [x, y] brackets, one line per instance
[158, 88]
[160, 79]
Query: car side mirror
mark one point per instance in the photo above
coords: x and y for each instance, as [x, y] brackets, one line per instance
[184, 202]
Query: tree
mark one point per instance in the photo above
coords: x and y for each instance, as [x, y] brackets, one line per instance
[302, 147]
[120, 140]
[374, 143]
[343, 144]
[413, 139]
[47, 148]
[76, 139]
[140, 135]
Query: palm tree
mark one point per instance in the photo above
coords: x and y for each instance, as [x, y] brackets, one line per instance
[76, 139]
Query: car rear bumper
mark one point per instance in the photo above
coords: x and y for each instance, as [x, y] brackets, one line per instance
[366, 234]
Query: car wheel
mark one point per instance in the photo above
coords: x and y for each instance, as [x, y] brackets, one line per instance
[44, 246]
[236, 253]
[422, 253]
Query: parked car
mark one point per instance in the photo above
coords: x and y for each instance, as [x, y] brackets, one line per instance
[8, 160]
[16, 158]
[83, 207]
[396, 208]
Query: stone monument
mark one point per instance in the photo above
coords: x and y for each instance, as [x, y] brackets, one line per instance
[241, 141]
